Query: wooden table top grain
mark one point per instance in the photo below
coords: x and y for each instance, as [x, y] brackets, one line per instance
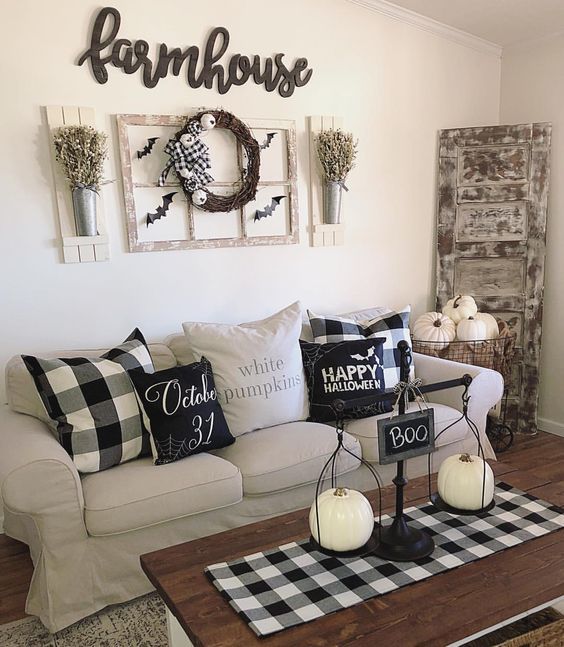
[437, 611]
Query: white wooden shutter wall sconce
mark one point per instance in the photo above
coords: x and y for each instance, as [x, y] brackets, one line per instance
[322, 235]
[76, 249]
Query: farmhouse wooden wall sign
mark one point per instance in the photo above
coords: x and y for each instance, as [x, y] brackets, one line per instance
[160, 217]
[105, 48]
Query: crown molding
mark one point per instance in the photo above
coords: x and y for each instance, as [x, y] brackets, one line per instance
[429, 25]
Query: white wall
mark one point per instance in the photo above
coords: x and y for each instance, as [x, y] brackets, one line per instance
[394, 85]
[533, 90]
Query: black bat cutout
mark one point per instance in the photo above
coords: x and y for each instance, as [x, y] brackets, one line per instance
[148, 148]
[266, 142]
[161, 211]
[269, 209]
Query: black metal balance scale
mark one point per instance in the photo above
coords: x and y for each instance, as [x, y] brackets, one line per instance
[397, 541]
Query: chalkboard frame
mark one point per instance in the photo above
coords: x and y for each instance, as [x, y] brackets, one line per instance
[384, 424]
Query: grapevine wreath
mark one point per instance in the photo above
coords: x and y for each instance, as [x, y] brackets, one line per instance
[189, 156]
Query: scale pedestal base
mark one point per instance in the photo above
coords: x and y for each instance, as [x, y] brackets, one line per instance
[401, 543]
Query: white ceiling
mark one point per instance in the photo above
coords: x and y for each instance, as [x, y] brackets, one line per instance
[504, 22]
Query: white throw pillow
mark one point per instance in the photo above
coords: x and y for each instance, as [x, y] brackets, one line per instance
[257, 368]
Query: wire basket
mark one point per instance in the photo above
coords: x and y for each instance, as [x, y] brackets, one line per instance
[496, 354]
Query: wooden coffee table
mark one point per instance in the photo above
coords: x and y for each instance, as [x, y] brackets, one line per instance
[445, 609]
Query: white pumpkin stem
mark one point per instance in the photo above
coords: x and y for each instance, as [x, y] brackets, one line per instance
[455, 304]
[340, 491]
[465, 458]
[437, 323]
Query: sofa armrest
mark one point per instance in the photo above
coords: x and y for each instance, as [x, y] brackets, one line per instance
[485, 391]
[38, 479]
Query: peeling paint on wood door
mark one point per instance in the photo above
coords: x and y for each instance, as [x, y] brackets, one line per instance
[492, 208]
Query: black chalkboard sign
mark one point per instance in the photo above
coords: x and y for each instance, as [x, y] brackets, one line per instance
[405, 436]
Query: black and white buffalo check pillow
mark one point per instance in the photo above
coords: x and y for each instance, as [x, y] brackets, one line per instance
[393, 327]
[92, 403]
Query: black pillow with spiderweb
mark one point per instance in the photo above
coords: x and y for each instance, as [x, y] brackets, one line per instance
[181, 411]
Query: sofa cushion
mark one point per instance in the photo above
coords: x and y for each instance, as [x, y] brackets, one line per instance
[180, 348]
[287, 456]
[257, 369]
[181, 412]
[139, 494]
[357, 315]
[92, 404]
[366, 430]
[392, 326]
[347, 371]
[21, 391]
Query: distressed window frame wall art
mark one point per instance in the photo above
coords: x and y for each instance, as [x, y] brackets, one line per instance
[237, 228]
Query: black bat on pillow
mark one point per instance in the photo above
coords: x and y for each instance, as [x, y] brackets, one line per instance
[147, 150]
[269, 209]
[161, 211]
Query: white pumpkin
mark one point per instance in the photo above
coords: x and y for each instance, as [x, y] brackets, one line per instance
[207, 121]
[199, 197]
[461, 307]
[461, 482]
[346, 519]
[435, 327]
[471, 329]
[492, 329]
[186, 173]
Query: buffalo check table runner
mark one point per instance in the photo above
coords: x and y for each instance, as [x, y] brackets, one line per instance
[292, 584]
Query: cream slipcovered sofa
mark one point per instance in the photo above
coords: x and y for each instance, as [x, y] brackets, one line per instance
[86, 532]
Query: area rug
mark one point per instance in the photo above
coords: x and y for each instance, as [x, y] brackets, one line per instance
[139, 623]
[551, 635]
[142, 623]
[287, 586]
[537, 629]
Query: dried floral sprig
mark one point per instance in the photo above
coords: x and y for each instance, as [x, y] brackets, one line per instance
[337, 151]
[81, 151]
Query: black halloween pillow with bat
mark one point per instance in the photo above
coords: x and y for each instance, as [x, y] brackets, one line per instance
[181, 412]
[345, 370]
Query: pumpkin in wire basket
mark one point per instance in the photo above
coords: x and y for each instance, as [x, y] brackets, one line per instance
[495, 353]
[436, 328]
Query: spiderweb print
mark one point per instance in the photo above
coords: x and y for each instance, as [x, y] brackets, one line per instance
[170, 450]
[311, 354]
[206, 367]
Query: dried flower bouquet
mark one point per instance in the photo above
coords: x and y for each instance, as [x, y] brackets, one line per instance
[337, 152]
[81, 151]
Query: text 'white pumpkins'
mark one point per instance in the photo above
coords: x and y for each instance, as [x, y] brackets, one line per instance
[435, 327]
[346, 519]
[461, 307]
[461, 482]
